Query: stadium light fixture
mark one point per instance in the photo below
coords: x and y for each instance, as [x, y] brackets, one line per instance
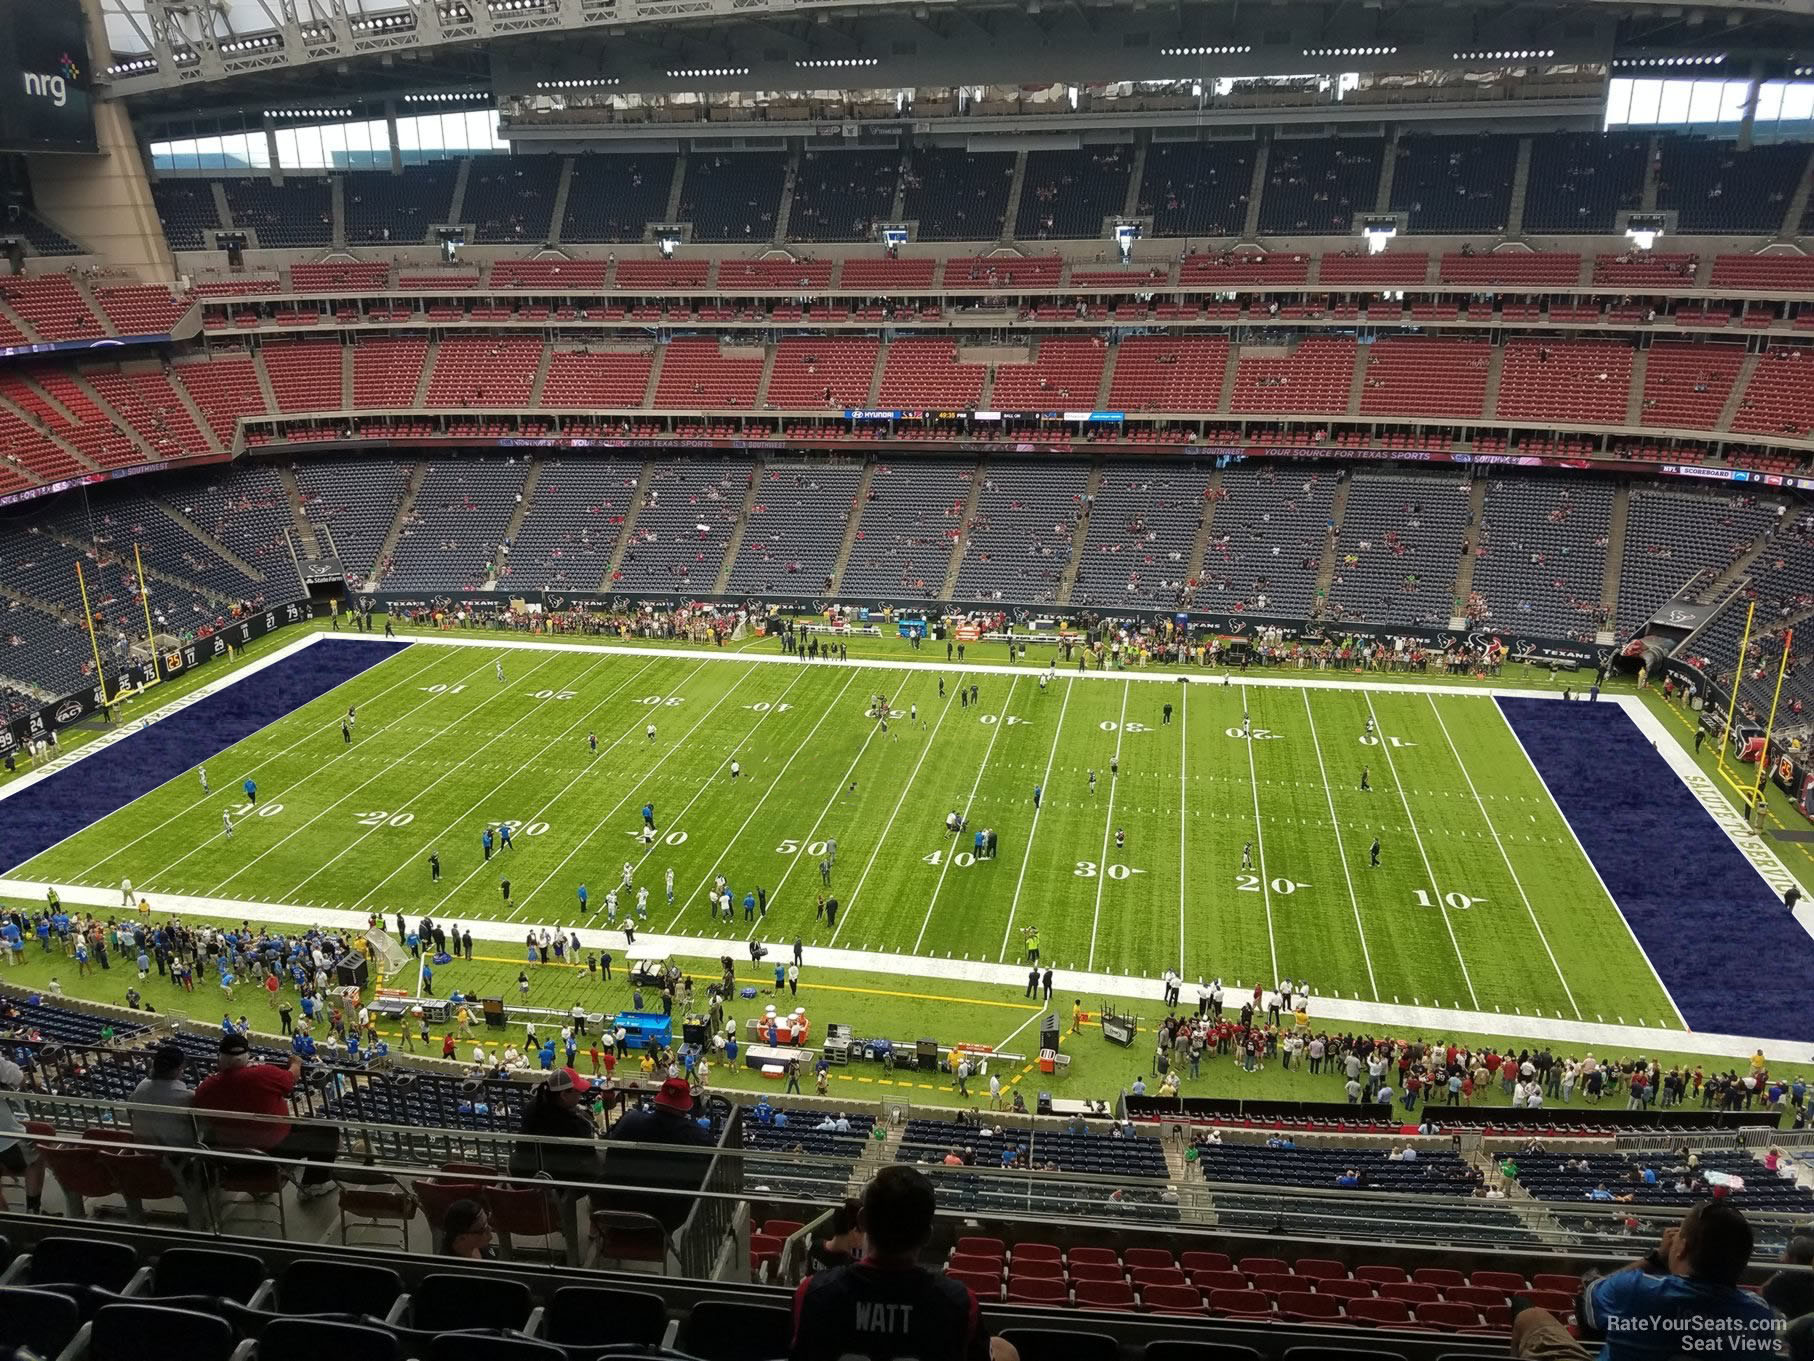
[831, 63]
[708, 72]
[1241, 50]
[1509, 54]
[1350, 51]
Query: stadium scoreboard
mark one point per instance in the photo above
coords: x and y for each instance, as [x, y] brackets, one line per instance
[45, 77]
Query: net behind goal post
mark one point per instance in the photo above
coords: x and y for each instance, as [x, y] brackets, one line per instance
[387, 955]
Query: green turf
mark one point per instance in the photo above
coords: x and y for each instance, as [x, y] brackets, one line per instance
[442, 749]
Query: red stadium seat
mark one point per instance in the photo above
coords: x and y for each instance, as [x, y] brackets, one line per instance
[984, 1286]
[1036, 1252]
[1052, 1269]
[1555, 1280]
[1441, 1277]
[1561, 1303]
[1440, 1315]
[1240, 1304]
[1304, 1307]
[1320, 1269]
[1411, 1292]
[1498, 1318]
[1381, 1312]
[1104, 1295]
[1097, 1271]
[1218, 1280]
[1156, 1275]
[1200, 1261]
[1036, 1290]
[1380, 1275]
[1172, 1299]
[1265, 1266]
[1346, 1290]
[963, 1261]
[1099, 1255]
[782, 1228]
[1511, 1282]
[1476, 1296]
[981, 1247]
[1134, 1257]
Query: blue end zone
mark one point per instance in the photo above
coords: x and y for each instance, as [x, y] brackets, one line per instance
[90, 789]
[1728, 951]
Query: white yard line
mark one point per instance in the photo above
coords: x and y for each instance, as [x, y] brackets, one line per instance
[1441, 906]
[410, 753]
[1341, 851]
[1374, 1015]
[450, 827]
[774, 784]
[957, 844]
[1505, 856]
[888, 826]
[628, 794]
[1259, 834]
[1108, 824]
[1709, 797]
[1183, 813]
[1027, 854]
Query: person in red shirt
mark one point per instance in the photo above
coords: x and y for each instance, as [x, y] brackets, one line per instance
[240, 1086]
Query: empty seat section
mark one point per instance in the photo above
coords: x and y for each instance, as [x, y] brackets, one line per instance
[663, 274]
[607, 378]
[1004, 271]
[223, 389]
[924, 374]
[1317, 185]
[796, 527]
[341, 276]
[1686, 385]
[186, 210]
[1168, 373]
[1360, 269]
[733, 196]
[1070, 194]
[822, 372]
[385, 207]
[957, 195]
[804, 275]
[1764, 273]
[1671, 536]
[1243, 268]
[1454, 183]
[305, 375]
[1713, 186]
[1064, 374]
[551, 275]
[684, 525]
[887, 275]
[843, 195]
[572, 524]
[142, 309]
[510, 199]
[1312, 379]
[1574, 381]
[387, 371]
[614, 198]
[1646, 269]
[1266, 508]
[298, 212]
[484, 371]
[1512, 268]
[246, 507]
[76, 419]
[357, 501]
[147, 403]
[697, 372]
[1020, 537]
[1399, 549]
[51, 306]
[461, 511]
[1197, 188]
[1779, 399]
[911, 520]
[1581, 181]
[1424, 376]
[1540, 556]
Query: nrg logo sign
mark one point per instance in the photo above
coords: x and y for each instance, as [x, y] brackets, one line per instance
[53, 86]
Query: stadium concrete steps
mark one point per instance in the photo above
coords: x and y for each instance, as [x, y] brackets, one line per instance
[1652, 169]
[1227, 395]
[790, 177]
[119, 421]
[1615, 549]
[195, 414]
[541, 380]
[1015, 187]
[337, 208]
[68, 449]
[405, 508]
[1521, 181]
[853, 521]
[1495, 371]
[1634, 395]
[222, 212]
[1357, 382]
[561, 192]
[346, 378]
[1130, 206]
[264, 381]
[1199, 548]
[1256, 189]
[292, 490]
[50, 401]
[1325, 572]
[768, 372]
[1736, 572]
[1388, 171]
[675, 189]
[93, 304]
[151, 573]
[456, 206]
[1798, 203]
[962, 542]
[722, 585]
[898, 208]
[525, 494]
[1464, 571]
[1745, 372]
[648, 393]
[1079, 533]
[875, 379]
[629, 525]
[18, 323]
[428, 373]
[1101, 401]
[214, 545]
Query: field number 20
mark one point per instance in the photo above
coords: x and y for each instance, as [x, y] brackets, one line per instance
[1250, 883]
[384, 819]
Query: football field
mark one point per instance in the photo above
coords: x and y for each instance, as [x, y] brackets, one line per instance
[1482, 899]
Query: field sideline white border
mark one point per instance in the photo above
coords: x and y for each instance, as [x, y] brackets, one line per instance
[1429, 1021]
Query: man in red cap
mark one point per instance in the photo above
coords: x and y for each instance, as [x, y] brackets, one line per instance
[669, 1121]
